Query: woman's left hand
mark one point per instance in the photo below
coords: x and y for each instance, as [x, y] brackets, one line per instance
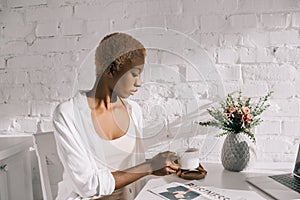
[164, 163]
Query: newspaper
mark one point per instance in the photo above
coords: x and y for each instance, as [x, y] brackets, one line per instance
[192, 191]
[214, 193]
[175, 191]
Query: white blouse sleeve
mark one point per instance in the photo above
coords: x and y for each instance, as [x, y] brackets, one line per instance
[87, 180]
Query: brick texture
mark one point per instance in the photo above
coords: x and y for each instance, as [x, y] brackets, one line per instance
[253, 45]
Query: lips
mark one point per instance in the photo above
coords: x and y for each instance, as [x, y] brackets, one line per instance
[133, 91]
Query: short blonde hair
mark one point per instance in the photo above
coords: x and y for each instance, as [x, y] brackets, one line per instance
[115, 50]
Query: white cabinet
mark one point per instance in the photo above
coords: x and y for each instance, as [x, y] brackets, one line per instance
[15, 168]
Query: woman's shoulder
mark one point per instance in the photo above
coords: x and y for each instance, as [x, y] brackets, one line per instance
[63, 109]
[67, 106]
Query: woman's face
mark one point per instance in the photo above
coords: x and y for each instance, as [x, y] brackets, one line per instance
[129, 78]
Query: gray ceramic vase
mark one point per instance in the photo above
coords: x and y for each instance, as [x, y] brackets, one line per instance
[235, 152]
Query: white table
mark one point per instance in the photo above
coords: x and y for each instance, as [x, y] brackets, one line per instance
[217, 177]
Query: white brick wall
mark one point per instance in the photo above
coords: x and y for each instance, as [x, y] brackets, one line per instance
[243, 21]
[43, 13]
[274, 20]
[2, 63]
[47, 29]
[20, 3]
[17, 31]
[213, 23]
[253, 43]
[73, 27]
[227, 55]
[296, 20]
[284, 37]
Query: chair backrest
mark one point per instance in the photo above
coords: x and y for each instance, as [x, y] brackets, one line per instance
[50, 167]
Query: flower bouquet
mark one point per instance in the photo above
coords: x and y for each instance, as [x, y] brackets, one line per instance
[235, 118]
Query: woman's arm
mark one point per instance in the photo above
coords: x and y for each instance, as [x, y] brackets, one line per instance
[123, 178]
[160, 165]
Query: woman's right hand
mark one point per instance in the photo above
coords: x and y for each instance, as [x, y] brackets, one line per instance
[164, 163]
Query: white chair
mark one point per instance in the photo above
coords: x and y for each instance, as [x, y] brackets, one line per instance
[50, 167]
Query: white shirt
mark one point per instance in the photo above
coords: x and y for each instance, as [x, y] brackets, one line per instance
[82, 152]
[118, 152]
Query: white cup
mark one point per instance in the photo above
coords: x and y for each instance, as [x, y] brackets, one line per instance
[189, 159]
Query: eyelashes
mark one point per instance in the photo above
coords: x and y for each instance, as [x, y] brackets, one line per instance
[136, 72]
[135, 75]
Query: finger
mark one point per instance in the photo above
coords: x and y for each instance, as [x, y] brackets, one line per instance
[170, 162]
[170, 170]
[174, 166]
[179, 172]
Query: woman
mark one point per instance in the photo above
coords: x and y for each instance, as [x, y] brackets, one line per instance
[98, 132]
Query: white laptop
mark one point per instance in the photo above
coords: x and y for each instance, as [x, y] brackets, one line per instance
[283, 186]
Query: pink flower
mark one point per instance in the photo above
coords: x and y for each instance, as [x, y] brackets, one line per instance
[228, 115]
[229, 110]
[247, 118]
[246, 110]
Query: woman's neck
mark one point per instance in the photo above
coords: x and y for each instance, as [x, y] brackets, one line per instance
[101, 96]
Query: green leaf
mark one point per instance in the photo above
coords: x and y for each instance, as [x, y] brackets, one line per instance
[234, 123]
